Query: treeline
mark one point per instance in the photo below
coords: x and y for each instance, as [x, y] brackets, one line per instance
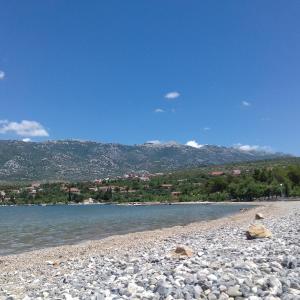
[267, 182]
[262, 183]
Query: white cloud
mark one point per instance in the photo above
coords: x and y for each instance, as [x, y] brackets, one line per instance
[193, 144]
[206, 128]
[172, 95]
[159, 110]
[24, 128]
[248, 148]
[155, 142]
[2, 75]
[246, 103]
[26, 140]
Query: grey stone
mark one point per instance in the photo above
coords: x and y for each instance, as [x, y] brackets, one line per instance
[212, 296]
[234, 291]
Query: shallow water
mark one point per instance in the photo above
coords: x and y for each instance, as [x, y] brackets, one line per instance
[24, 228]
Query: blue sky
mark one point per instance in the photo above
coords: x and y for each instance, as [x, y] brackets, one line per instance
[216, 72]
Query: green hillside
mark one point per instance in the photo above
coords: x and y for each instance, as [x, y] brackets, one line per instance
[263, 180]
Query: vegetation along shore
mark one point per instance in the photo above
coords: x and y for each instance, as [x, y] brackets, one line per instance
[241, 182]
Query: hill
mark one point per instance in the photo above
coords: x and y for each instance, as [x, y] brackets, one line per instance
[78, 160]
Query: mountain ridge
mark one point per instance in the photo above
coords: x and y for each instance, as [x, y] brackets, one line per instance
[88, 160]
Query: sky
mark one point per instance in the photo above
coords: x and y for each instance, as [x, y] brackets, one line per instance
[196, 72]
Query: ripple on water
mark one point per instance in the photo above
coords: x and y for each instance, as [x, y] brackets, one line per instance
[24, 228]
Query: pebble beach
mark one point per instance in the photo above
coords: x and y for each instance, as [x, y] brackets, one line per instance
[222, 264]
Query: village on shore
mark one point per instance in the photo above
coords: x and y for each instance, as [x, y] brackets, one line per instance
[240, 182]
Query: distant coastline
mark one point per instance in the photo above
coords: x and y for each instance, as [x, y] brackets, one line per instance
[153, 203]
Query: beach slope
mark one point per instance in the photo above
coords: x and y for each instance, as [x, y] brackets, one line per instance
[224, 264]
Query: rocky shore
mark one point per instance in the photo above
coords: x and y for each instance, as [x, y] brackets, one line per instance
[220, 263]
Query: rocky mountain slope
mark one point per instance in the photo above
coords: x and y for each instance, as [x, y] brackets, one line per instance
[77, 160]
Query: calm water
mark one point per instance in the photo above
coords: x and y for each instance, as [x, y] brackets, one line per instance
[26, 228]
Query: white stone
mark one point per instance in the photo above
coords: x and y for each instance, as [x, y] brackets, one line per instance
[222, 288]
[206, 292]
[294, 291]
[147, 295]
[132, 288]
[276, 286]
[212, 277]
[223, 296]
[68, 296]
[254, 298]
[261, 281]
[234, 291]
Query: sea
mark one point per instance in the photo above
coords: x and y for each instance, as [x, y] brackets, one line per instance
[26, 228]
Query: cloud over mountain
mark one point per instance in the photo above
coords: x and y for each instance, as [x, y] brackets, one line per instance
[24, 128]
[193, 144]
[248, 148]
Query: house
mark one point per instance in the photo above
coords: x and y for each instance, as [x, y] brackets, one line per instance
[166, 186]
[32, 192]
[175, 195]
[103, 188]
[74, 190]
[29, 188]
[236, 172]
[2, 195]
[98, 181]
[35, 185]
[217, 173]
[117, 188]
[182, 180]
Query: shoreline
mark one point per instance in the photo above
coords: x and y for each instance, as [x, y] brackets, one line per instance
[168, 230]
[45, 263]
[105, 242]
[150, 203]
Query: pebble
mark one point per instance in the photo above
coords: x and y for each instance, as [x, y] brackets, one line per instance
[224, 266]
[234, 291]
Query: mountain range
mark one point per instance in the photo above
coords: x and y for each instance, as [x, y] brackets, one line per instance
[85, 160]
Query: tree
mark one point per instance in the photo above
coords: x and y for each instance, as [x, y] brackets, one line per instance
[107, 194]
[294, 175]
[217, 184]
